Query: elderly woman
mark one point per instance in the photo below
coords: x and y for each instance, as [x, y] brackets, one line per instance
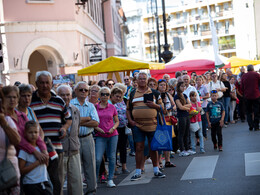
[118, 102]
[25, 93]
[93, 94]
[152, 83]
[172, 86]
[11, 96]
[107, 135]
[8, 131]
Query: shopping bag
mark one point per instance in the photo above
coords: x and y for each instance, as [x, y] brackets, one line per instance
[162, 139]
[194, 127]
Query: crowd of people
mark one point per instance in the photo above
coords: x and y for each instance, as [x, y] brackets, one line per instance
[60, 134]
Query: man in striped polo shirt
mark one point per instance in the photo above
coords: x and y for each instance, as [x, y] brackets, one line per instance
[142, 117]
[55, 120]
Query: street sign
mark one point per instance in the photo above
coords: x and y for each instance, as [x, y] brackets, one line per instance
[95, 53]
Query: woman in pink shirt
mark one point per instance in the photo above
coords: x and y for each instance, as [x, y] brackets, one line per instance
[11, 97]
[107, 135]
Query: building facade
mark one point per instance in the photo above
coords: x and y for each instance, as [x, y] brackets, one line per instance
[57, 35]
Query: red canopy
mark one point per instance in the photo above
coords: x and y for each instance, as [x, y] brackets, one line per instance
[200, 66]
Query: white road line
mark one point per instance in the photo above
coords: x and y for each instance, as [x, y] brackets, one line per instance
[252, 164]
[201, 168]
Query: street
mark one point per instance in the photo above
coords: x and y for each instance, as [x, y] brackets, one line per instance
[236, 170]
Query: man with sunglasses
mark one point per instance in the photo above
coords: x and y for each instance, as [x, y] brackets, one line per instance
[88, 120]
[217, 85]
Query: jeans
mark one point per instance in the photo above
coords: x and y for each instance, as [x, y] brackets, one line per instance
[232, 107]
[252, 106]
[193, 138]
[226, 106]
[109, 144]
[121, 145]
[183, 132]
[204, 123]
[131, 143]
[38, 188]
[216, 131]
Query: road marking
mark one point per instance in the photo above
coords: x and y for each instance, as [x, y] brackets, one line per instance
[252, 164]
[201, 168]
[146, 177]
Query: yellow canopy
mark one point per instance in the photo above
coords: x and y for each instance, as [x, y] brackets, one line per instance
[119, 64]
[238, 62]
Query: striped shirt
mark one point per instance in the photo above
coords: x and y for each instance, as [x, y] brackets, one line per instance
[86, 110]
[51, 116]
[142, 114]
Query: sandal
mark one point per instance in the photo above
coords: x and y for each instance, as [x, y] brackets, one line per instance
[169, 164]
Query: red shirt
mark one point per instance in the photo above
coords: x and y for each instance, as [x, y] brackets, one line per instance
[196, 118]
[250, 83]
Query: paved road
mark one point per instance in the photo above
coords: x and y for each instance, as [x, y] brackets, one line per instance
[236, 170]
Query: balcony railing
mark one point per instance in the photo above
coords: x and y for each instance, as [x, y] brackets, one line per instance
[227, 46]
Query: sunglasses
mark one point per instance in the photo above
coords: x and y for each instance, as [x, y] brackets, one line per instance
[83, 90]
[214, 91]
[184, 73]
[109, 84]
[126, 79]
[93, 91]
[161, 80]
[104, 94]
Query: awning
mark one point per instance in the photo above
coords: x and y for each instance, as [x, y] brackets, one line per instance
[238, 62]
[119, 64]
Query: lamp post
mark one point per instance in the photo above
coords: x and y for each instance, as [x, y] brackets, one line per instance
[158, 32]
[167, 54]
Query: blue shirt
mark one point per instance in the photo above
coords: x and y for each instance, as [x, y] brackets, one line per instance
[86, 110]
[215, 111]
[38, 174]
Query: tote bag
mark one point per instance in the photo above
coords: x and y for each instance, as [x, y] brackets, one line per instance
[162, 139]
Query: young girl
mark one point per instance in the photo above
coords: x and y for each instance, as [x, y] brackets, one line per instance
[196, 118]
[35, 179]
[183, 107]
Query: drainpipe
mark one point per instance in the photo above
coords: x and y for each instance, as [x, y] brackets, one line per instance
[102, 4]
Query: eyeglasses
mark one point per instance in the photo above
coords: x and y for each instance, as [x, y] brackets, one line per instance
[94, 91]
[109, 84]
[104, 94]
[214, 91]
[126, 79]
[83, 90]
[184, 73]
[161, 80]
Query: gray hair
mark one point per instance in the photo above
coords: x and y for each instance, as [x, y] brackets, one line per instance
[104, 89]
[42, 73]
[250, 67]
[24, 88]
[143, 73]
[166, 75]
[64, 87]
[185, 76]
[172, 82]
[121, 86]
[80, 82]
[94, 86]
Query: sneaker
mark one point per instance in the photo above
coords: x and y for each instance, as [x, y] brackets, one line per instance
[184, 153]
[125, 171]
[178, 151]
[103, 179]
[159, 175]
[132, 153]
[220, 148]
[111, 184]
[215, 146]
[191, 152]
[202, 151]
[135, 177]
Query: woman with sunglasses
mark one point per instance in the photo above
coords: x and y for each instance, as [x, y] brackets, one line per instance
[169, 106]
[152, 83]
[106, 134]
[110, 83]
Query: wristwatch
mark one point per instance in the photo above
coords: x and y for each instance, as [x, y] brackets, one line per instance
[113, 128]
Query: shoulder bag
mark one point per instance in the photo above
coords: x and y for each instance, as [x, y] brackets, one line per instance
[8, 176]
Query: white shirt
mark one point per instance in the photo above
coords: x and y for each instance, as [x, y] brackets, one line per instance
[189, 89]
[218, 85]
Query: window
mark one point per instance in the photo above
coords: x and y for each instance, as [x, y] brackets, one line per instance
[94, 9]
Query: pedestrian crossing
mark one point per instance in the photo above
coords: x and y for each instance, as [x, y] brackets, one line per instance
[202, 167]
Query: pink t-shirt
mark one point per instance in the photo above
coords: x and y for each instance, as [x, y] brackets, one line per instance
[196, 118]
[106, 116]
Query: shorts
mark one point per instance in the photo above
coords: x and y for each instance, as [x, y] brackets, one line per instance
[139, 135]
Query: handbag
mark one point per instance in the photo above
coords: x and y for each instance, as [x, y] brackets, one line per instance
[194, 127]
[171, 119]
[162, 139]
[8, 175]
[128, 131]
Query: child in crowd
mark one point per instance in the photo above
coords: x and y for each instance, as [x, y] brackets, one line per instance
[197, 118]
[35, 179]
[215, 116]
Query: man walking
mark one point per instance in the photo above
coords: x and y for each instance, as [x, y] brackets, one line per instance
[71, 145]
[142, 117]
[54, 118]
[250, 84]
[88, 120]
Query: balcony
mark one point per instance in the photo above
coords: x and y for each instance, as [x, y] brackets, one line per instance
[227, 46]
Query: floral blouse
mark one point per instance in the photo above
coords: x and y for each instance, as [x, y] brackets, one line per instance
[121, 110]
